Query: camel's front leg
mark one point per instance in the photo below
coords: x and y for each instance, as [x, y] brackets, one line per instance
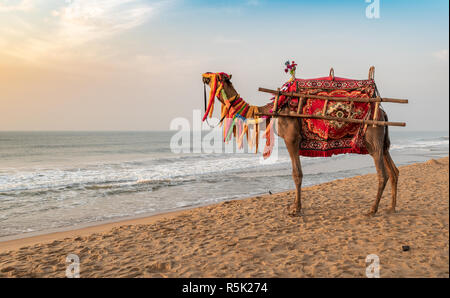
[297, 175]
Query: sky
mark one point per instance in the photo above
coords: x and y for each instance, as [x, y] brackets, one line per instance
[137, 64]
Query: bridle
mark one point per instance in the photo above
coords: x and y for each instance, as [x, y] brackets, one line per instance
[216, 83]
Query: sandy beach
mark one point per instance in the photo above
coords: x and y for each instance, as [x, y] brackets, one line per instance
[254, 237]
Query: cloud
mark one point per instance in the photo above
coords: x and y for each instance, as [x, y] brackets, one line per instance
[9, 6]
[64, 30]
[85, 20]
[441, 55]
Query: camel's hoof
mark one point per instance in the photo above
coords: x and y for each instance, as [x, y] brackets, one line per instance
[391, 211]
[371, 214]
[294, 211]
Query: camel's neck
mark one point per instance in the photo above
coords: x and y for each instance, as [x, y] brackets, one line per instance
[231, 92]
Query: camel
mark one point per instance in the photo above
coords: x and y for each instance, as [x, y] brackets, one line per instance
[376, 140]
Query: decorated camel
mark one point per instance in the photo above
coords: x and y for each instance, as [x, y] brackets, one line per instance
[316, 117]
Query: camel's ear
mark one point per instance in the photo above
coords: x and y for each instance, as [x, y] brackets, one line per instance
[230, 76]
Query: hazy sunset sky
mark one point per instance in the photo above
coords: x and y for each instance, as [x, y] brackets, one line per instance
[137, 64]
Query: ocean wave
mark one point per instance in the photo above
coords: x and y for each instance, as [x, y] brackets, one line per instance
[108, 175]
[423, 144]
[445, 138]
[151, 174]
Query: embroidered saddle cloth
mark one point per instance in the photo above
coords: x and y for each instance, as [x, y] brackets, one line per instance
[322, 138]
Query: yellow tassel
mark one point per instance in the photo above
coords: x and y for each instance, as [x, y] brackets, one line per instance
[246, 131]
[212, 109]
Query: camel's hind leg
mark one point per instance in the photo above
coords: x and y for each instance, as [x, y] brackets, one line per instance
[377, 142]
[383, 177]
[393, 176]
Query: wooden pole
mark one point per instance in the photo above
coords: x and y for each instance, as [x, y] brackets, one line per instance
[355, 99]
[375, 113]
[300, 105]
[301, 100]
[275, 104]
[372, 122]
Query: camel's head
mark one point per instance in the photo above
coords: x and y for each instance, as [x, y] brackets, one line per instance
[206, 78]
[218, 83]
[211, 77]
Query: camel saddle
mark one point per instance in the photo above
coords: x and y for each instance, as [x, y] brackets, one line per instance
[323, 138]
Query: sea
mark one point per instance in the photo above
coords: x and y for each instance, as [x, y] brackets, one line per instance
[57, 180]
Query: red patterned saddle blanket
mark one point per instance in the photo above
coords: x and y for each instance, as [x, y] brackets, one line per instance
[322, 138]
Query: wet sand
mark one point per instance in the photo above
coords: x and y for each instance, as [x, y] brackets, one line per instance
[255, 237]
